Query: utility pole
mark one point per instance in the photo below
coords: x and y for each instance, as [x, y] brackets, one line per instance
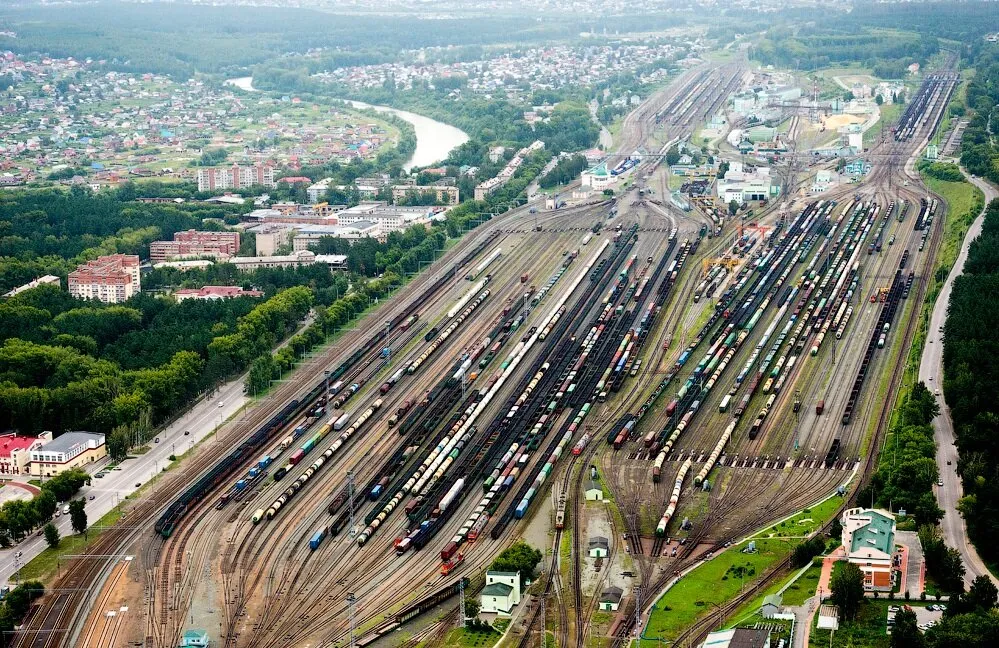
[461, 603]
[544, 620]
[350, 501]
[638, 609]
[351, 601]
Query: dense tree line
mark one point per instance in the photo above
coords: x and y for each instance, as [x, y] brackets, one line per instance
[971, 383]
[907, 469]
[979, 152]
[814, 47]
[15, 607]
[52, 230]
[86, 365]
[567, 170]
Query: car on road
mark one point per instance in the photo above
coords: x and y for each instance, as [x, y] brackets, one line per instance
[939, 482]
[948, 463]
[221, 404]
[156, 440]
[138, 484]
[187, 432]
[936, 392]
[92, 498]
[99, 475]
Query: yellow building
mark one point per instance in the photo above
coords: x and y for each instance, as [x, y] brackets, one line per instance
[70, 450]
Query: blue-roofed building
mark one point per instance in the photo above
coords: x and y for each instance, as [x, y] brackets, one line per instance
[194, 638]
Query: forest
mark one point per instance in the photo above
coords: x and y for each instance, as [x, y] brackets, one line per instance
[979, 151]
[971, 383]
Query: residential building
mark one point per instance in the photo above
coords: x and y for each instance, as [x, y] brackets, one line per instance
[388, 218]
[270, 237]
[738, 638]
[15, 453]
[317, 192]
[443, 194]
[488, 187]
[610, 599]
[598, 547]
[194, 244]
[70, 450]
[235, 177]
[34, 283]
[307, 237]
[869, 540]
[248, 264]
[501, 593]
[593, 492]
[110, 279]
[206, 293]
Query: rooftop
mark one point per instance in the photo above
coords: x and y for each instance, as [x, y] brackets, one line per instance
[69, 440]
[497, 589]
[599, 541]
[9, 443]
[612, 594]
[879, 533]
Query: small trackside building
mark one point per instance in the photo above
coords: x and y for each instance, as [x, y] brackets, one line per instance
[593, 492]
[501, 593]
[598, 547]
[869, 541]
[610, 599]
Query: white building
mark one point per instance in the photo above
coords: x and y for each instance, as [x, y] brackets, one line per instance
[742, 186]
[388, 218]
[501, 593]
[307, 237]
[41, 281]
[317, 192]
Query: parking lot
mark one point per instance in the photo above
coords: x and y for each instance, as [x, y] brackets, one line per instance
[926, 616]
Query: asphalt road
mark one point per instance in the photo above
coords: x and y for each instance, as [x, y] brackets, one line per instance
[931, 373]
[109, 490]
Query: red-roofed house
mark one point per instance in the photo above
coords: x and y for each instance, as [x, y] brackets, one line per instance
[215, 292]
[14, 453]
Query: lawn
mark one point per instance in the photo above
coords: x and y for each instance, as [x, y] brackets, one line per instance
[711, 585]
[805, 522]
[889, 113]
[867, 630]
[466, 637]
[45, 566]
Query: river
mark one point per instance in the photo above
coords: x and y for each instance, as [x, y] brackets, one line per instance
[434, 140]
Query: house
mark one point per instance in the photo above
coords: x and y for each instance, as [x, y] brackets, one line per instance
[501, 593]
[599, 547]
[14, 453]
[771, 606]
[738, 638]
[828, 617]
[610, 599]
[869, 540]
[194, 638]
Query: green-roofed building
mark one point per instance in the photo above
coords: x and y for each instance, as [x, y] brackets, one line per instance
[869, 540]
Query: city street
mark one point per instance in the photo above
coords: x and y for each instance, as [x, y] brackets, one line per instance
[931, 373]
[109, 490]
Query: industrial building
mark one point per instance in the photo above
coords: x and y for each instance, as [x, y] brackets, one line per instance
[743, 185]
[307, 237]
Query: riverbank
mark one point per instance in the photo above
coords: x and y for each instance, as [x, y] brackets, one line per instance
[434, 139]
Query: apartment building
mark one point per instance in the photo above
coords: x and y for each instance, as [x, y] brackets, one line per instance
[193, 244]
[110, 279]
[443, 194]
[235, 177]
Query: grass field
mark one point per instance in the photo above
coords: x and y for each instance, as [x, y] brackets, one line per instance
[803, 523]
[45, 566]
[711, 585]
[889, 113]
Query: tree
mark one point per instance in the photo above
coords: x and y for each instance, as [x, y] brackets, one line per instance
[51, 535]
[45, 505]
[905, 634]
[733, 207]
[118, 443]
[847, 585]
[672, 155]
[471, 607]
[78, 516]
[722, 170]
[878, 99]
[518, 557]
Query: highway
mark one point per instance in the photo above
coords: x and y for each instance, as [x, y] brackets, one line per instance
[931, 373]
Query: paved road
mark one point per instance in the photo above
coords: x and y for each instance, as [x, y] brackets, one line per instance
[931, 373]
[108, 491]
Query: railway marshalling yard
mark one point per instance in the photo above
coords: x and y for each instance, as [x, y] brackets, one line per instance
[596, 336]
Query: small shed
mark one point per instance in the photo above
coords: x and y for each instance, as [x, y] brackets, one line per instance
[610, 599]
[194, 638]
[594, 493]
[598, 547]
[828, 617]
[771, 606]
